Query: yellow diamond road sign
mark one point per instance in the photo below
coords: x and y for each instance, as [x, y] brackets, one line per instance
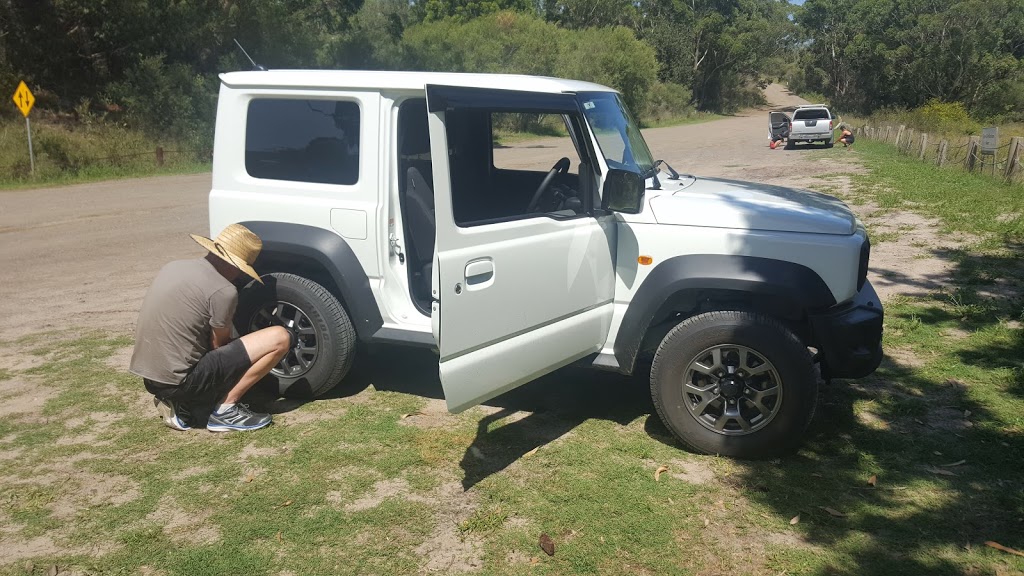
[24, 99]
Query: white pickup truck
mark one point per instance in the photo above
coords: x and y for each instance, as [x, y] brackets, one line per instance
[391, 211]
[812, 123]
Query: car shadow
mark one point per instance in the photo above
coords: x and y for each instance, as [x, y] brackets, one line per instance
[523, 419]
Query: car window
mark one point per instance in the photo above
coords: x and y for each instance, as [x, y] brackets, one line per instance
[812, 114]
[498, 161]
[530, 141]
[303, 140]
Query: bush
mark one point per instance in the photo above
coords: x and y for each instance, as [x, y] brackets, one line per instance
[167, 100]
[943, 118]
[518, 43]
[667, 101]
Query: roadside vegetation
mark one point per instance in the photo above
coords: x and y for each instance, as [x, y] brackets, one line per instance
[149, 69]
[910, 471]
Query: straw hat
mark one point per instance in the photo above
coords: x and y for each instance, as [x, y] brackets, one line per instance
[236, 245]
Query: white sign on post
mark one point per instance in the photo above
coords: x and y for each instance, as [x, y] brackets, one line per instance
[989, 140]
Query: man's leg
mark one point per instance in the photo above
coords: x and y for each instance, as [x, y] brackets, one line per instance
[266, 348]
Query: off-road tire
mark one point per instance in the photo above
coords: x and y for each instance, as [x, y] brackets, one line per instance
[757, 332]
[335, 335]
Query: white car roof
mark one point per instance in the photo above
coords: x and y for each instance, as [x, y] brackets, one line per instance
[387, 80]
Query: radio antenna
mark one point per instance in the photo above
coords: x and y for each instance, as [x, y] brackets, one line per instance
[255, 66]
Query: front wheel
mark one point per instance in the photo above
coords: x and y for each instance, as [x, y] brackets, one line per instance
[324, 337]
[734, 383]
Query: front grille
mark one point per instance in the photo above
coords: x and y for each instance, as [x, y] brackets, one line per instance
[862, 269]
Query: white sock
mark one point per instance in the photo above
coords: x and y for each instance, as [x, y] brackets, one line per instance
[222, 407]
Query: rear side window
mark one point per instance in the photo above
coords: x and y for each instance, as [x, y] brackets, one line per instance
[303, 140]
[812, 114]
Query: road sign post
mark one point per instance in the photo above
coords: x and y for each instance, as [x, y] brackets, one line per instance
[24, 100]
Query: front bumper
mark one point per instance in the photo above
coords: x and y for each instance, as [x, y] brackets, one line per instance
[849, 336]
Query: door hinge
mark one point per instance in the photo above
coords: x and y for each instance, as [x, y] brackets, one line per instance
[396, 248]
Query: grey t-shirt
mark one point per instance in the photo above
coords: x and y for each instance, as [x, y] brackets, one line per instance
[186, 300]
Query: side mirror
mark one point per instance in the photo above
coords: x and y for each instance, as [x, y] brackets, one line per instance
[623, 192]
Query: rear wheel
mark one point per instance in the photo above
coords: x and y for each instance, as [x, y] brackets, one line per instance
[734, 383]
[322, 332]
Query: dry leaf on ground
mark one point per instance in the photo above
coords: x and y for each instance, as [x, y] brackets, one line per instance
[951, 464]
[531, 452]
[940, 471]
[283, 504]
[833, 512]
[279, 539]
[547, 545]
[534, 560]
[250, 477]
[657, 473]
[999, 546]
[873, 481]
[794, 520]
[52, 571]
[410, 414]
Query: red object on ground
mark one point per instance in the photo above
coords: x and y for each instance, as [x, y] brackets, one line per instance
[773, 144]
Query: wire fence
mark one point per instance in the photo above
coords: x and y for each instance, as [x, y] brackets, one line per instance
[1003, 161]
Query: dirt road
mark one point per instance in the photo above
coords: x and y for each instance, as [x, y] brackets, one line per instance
[83, 256]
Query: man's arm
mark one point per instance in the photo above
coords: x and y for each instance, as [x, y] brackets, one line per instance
[220, 336]
[222, 309]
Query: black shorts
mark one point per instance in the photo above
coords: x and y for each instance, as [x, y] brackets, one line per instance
[849, 139]
[210, 379]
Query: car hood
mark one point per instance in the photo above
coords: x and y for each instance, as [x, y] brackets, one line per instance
[719, 203]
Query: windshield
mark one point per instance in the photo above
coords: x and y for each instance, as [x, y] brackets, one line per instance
[617, 134]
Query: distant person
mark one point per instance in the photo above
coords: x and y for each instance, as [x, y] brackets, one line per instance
[183, 347]
[780, 136]
[846, 136]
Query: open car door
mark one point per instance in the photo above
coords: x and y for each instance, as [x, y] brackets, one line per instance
[778, 125]
[522, 294]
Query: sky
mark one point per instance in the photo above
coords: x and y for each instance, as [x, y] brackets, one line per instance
[796, 1]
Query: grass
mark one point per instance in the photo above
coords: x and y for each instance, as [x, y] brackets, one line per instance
[379, 478]
[69, 153]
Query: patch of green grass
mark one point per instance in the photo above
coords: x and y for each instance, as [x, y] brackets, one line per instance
[969, 203]
[691, 118]
[87, 151]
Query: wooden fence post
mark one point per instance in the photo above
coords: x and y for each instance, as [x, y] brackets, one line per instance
[899, 136]
[909, 142]
[924, 145]
[972, 154]
[1013, 160]
[159, 155]
[888, 130]
[940, 158]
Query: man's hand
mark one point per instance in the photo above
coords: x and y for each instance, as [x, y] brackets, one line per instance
[220, 336]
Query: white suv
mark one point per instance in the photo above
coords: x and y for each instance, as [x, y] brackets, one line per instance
[406, 208]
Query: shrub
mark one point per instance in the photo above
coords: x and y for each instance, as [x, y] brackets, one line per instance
[666, 101]
[943, 117]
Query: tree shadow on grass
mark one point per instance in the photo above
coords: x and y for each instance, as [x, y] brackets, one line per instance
[948, 464]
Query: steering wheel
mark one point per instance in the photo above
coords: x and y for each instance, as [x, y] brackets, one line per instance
[562, 166]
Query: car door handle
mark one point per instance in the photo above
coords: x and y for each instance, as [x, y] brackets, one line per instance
[479, 274]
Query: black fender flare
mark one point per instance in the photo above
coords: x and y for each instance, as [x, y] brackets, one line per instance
[799, 287]
[329, 250]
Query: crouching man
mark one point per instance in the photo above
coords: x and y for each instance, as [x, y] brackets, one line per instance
[183, 347]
